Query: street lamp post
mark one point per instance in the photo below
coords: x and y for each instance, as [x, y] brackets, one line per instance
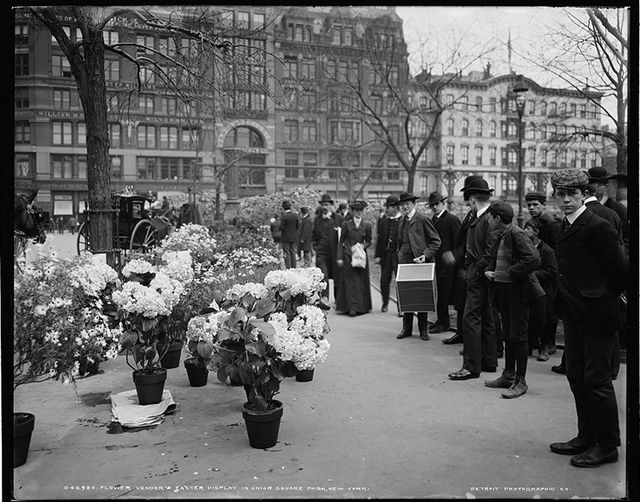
[519, 89]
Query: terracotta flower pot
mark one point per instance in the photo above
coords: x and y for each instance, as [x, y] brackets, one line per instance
[304, 375]
[171, 358]
[198, 374]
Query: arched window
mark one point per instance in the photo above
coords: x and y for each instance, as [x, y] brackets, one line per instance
[450, 126]
[492, 129]
[543, 108]
[479, 126]
[465, 127]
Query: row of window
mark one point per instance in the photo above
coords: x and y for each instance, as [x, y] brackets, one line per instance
[510, 129]
[304, 165]
[562, 109]
[75, 166]
[168, 168]
[544, 158]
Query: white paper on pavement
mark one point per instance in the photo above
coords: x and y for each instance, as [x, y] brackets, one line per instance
[126, 410]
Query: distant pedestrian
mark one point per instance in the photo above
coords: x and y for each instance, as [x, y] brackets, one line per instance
[72, 224]
[325, 242]
[305, 236]
[354, 290]
[289, 224]
[386, 253]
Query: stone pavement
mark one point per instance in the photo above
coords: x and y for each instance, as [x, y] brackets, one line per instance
[379, 420]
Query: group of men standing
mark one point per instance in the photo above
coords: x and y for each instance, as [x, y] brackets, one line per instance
[503, 282]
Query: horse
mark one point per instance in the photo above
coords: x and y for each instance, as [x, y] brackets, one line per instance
[28, 223]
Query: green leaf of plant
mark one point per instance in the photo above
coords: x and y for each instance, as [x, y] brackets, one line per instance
[128, 339]
[246, 374]
[264, 307]
[148, 324]
[205, 349]
[238, 316]
[258, 348]
[265, 328]
[221, 374]
[286, 294]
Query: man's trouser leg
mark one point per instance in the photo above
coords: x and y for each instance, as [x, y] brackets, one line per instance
[322, 262]
[386, 272]
[472, 322]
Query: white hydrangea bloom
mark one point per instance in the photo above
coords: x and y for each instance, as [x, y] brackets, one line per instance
[257, 290]
[137, 267]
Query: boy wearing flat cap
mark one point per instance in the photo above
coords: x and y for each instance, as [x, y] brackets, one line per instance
[592, 272]
[513, 258]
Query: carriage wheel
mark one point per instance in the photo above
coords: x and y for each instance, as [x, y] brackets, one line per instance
[19, 253]
[82, 243]
[143, 237]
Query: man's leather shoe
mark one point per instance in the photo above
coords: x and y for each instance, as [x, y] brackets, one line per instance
[488, 369]
[438, 328]
[595, 456]
[504, 381]
[384, 308]
[403, 334]
[559, 369]
[454, 339]
[572, 447]
[463, 374]
[424, 335]
[352, 313]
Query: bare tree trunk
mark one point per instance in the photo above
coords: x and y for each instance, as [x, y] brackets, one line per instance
[411, 179]
[92, 91]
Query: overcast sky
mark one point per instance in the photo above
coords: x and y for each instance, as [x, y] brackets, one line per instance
[483, 27]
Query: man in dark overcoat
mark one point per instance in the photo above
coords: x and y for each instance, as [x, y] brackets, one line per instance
[325, 241]
[459, 252]
[447, 225]
[592, 272]
[599, 177]
[305, 236]
[289, 224]
[480, 344]
[386, 246]
[418, 242]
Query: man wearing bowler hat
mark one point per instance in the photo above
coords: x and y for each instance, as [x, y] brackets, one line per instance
[598, 187]
[619, 188]
[480, 345]
[592, 272]
[325, 241]
[447, 225]
[418, 242]
[459, 252]
[386, 246]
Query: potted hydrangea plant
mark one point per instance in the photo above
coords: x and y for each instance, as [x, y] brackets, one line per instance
[58, 324]
[201, 334]
[145, 300]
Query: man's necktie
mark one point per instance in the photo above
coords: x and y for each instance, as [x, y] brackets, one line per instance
[565, 225]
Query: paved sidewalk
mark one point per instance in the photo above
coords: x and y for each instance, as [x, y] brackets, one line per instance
[379, 420]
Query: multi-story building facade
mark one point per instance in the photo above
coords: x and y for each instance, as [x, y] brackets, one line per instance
[271, 112]
[477, 131]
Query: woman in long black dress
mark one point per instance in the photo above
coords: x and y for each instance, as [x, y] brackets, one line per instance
[354, 292]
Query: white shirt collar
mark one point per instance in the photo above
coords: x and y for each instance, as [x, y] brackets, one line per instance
[482, 211]
[440, 213]
[574, 216]
[590, 199]
[413, 211]
[396, 216]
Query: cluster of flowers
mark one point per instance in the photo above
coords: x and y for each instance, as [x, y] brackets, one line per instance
[299, 281]
[255, 289]
[301, 341]
[193, 238]
[243, 258]
[59, 323]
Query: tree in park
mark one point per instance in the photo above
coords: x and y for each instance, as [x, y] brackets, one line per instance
[588, 50]
[386, 97]
[86, 56]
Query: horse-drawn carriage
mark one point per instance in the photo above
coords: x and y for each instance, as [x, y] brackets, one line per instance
[135, 228]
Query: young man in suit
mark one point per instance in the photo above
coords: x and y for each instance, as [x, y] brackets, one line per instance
[305, 232]
[447, 225]
[289, 224]
[459, 252]
[480, 344]
[537, 206]
[418, 242]
[386, 246]
[592, 272]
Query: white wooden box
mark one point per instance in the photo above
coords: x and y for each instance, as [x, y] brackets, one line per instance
[416, 288]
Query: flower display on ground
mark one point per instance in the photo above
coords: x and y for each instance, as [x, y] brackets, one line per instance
[244, 258]
[297, 281]
[256, 290]
[193, 238]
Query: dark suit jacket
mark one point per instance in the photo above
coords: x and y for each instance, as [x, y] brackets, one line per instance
[550, 230]
[481, 235]
[325, 238]
[621, 211]
[460, 248]
[305, 232]
[289, 226]
[447, 227]
[607, 214]
[423, 237]
[382, 235]
[592, 272]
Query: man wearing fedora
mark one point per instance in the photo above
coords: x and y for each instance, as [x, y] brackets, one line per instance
[325, 241]
[305, 232]
[386, 246]
[418, 242]
[592, 273]
[599, 183]
[480, 343]
[459, 252]
[619, 188]
[447, 225]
